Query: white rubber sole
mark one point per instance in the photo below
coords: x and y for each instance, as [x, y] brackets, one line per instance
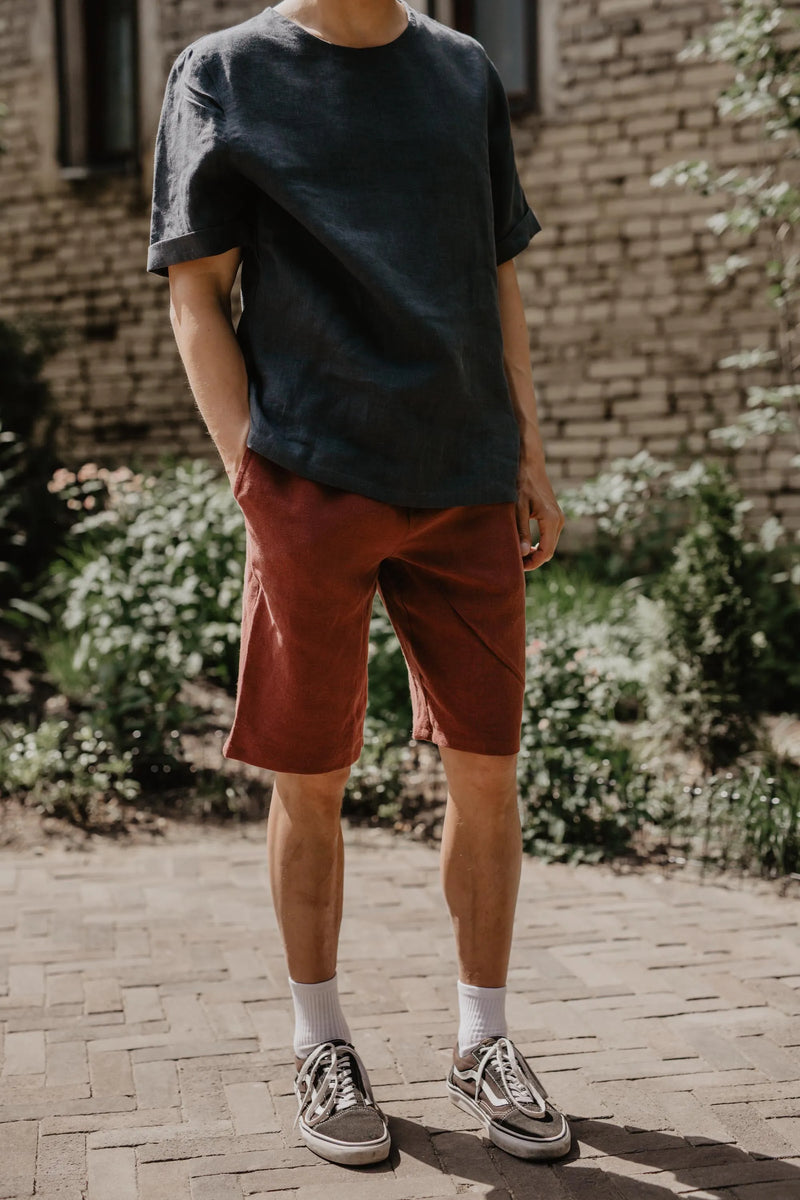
[346, 1155]
[519, 1147]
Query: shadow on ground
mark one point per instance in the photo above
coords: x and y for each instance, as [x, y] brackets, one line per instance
[713, 1167]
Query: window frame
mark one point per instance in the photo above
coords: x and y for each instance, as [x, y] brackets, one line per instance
[76, 91]
[462, 13]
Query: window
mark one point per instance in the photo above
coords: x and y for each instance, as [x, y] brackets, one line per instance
[97, 83]
[507, 30]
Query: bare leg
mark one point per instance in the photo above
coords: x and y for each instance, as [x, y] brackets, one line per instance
[305, 852]
[481, 860]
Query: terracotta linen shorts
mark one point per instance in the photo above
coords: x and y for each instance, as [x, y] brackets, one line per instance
[451, 580]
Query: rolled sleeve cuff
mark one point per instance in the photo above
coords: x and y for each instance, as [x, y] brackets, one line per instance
[519, 237]
[199, 244]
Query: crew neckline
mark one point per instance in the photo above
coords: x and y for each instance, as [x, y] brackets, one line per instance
[307, 35]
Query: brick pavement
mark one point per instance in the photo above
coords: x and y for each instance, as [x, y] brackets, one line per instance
[146, 1029]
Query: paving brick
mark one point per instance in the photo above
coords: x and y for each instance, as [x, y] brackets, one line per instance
[18, 1140]
[156, 1083]
[110, 1073]
[251, 1108]
[24, 1053]
[784, 1190]
[26, 982]
[386, 1187]
[787, 1128]
[93, 1122]
[693, 1120]
[66, 1063]
[188, 1143]
[102, 996]
[229, 1019]
[60, 1161]
[641, 1006]
[141, 1004]
[718, 1051]
[216, 1187]
[465, 1160]
[163, 1180]
[776, 1062]
[202, 1096]
[752, 1132]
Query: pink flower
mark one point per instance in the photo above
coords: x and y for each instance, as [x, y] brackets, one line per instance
[60, 479]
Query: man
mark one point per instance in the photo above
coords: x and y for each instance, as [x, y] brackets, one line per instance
[375, 414]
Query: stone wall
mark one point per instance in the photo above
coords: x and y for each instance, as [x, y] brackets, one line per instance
[626, 331]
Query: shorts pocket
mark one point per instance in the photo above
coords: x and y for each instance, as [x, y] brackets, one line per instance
[237, 483]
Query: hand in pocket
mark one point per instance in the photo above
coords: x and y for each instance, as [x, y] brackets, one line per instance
[234, 462]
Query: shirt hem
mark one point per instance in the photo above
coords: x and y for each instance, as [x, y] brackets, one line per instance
[454, 498]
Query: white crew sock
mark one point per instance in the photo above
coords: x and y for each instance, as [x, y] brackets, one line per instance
[482, 1014]
[318, 1015]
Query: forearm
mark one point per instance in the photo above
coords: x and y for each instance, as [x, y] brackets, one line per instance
[517, 360]
[536, 499]
[216, 370]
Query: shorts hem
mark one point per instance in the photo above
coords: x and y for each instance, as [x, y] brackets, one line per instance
[279, 763]
[440, 739]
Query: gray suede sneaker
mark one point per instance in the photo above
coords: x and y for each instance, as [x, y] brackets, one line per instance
[339, 1119]
[494, 1083]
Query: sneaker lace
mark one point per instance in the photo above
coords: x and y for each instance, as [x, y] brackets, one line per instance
[336, 1089]
[520, 1085]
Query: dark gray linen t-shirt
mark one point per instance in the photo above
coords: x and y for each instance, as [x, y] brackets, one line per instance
[373, 191]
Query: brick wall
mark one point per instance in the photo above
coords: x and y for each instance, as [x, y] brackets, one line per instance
[625, 329]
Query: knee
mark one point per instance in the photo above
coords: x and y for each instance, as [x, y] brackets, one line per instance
[320, 794]
[483, 782]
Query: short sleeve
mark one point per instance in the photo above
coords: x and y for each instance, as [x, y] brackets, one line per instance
[515, 223]
[200, 201]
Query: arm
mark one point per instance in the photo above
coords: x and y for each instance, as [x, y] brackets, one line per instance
[200, 314]
[536, 499]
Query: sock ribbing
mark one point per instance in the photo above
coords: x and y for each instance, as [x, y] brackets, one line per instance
[482, 1014]
[318, 1015]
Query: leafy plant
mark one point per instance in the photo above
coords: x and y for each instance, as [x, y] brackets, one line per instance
[29, 517]
[12, 527]
[639, 504]
[584, 790]
[710, 659]
[747, 818]
[759, 40]
[145, 595]
[66, 769]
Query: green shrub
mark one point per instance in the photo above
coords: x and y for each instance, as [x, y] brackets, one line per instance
[710, 661]
[771, 583]
[584, 792]
[13, 535]
[637, 511]
[66, 769]
[643, 506]
[145, 595]
[758, 39]
[30, 518]
[746, 818]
